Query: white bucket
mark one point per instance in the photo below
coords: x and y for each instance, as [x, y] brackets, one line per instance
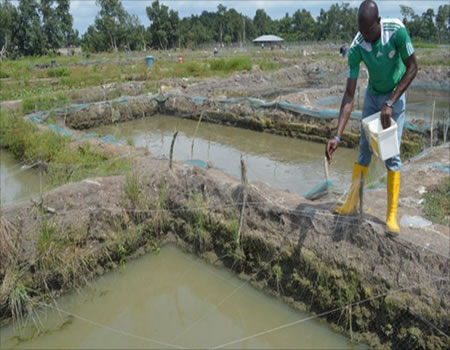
[383, 142]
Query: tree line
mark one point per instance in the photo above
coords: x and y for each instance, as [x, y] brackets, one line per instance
[34, 27]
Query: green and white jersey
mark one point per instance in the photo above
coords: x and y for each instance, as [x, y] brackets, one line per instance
[384, 58]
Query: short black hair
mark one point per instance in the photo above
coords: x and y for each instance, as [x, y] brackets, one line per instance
[368, 12]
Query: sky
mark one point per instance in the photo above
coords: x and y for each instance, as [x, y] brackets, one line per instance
[84, 11]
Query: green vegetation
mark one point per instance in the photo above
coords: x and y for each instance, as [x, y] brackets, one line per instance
[266, 65]
[44, 102]
[433, 61]
[232, 65]
[64, 163]
[437, 202]
[58, 72]
[419, 44]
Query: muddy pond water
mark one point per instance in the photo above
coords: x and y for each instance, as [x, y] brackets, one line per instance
[281, 162]
[419, 103]
[16, 181]
[172, 300]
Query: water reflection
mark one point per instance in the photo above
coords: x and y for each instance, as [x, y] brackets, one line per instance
[282, 162]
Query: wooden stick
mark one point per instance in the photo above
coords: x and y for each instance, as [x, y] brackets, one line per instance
[244, 199]
[195, 134]
[171, 149]
[432, 123]
[325, 165]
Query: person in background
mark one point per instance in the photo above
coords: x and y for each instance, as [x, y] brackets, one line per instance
[386, 49]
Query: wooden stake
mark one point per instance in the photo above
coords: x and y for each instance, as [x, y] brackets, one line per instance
[171, 149]
[244, 196]
[432, 123]
[195, 134]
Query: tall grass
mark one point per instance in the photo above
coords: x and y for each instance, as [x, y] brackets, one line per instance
[64, 163]
[234, 64]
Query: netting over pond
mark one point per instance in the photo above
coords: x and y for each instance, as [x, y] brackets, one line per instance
[134, 107]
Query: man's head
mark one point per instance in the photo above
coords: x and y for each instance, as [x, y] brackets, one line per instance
[369, 21]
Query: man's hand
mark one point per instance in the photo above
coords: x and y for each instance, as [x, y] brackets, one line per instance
[386, 114]
[332, 146]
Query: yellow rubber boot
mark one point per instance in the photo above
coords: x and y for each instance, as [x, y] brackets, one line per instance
[393, 189]
[350, 205]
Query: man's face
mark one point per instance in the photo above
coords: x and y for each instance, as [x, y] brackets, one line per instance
[369, 31]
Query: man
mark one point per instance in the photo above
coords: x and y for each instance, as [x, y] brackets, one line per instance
[386, 49]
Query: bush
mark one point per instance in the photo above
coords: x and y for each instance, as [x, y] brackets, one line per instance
[235, 64]
[44, 103]
[58, 72]
[3, 74]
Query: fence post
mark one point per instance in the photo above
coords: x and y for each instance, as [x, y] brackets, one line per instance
[171, 149]
[195, 134]
[244, 196]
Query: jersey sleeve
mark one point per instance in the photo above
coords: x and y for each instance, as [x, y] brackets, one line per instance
[354, 59]
[403, 43]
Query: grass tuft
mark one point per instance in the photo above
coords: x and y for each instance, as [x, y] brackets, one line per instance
[437, 203]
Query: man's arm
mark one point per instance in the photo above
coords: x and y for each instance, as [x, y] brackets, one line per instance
[344, 115]
[408, 77]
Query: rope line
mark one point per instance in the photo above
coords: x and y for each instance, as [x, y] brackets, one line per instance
[114, 330]
[256, 335]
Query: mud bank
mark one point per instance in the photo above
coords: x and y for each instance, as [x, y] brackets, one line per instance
[281, 118]
[377, 289]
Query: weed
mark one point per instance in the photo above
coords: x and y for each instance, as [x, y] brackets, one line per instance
[47, 234]
[269, 66]
[278, 275]
[123, 254]
[132, 189]
[233, 65]
[160, 217]
[130, 141]
[16, 293]
[58, 72]
[64, 164]
[437, 202]
[9, 246]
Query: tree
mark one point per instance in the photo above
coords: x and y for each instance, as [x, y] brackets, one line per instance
[29, 38]
[51, 28]
[8, 20]
[221, 11]
[340, 22]
[69, 35]
[443, 23]
[113, 28]
[164, 25]
[429, 31]
[304, 25]
[262, 22]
